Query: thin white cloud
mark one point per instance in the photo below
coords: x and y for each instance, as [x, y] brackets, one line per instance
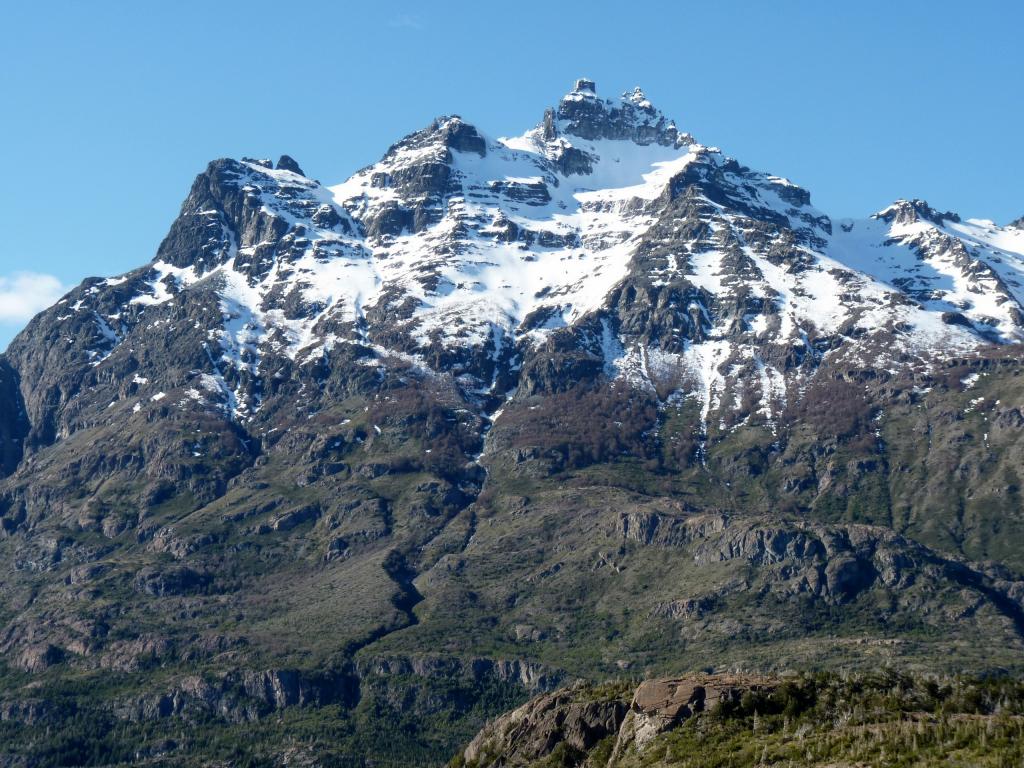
[405, 21]
[23, 294]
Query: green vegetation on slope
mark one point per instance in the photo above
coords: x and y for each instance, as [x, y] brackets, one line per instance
[399, 721]
[889, 720]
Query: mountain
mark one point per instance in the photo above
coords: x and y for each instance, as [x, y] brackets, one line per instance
[503, 411]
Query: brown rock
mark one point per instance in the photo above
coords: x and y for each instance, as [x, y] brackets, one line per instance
[536, 729]
[660, 705]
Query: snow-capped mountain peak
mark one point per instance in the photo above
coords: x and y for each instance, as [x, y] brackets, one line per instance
[603, 229]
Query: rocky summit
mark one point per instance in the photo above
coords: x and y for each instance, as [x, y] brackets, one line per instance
[493, 414]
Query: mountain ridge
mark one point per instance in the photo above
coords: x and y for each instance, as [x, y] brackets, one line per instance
[412, 298]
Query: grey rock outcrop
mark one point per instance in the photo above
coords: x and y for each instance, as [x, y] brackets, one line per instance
[533, 731]
[581, 113]
[661, 705]
[14, 425]
[243, 695]
[572, 721]
[288, 163]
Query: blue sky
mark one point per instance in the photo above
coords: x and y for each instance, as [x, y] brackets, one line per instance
[110, 109]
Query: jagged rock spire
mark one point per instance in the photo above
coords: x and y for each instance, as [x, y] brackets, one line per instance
[288, 163]
[585, 85]
[631, 117]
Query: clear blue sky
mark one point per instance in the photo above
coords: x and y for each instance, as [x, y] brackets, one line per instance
[110, 109]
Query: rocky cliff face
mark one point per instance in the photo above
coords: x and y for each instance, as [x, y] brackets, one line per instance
[570, 724]
[593, 397]
[533, 731]
[13, 422]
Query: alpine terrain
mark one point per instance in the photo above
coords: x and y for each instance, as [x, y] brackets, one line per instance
[344, 470]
